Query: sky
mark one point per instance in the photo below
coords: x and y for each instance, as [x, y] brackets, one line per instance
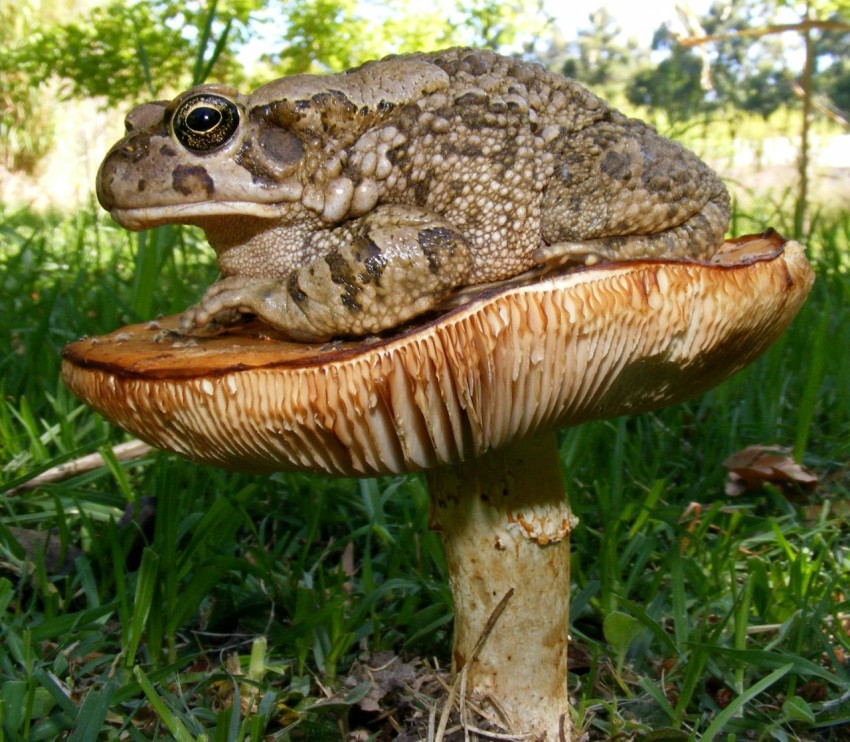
[638, 18]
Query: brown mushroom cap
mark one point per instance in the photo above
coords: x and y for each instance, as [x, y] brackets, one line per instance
[594, 343]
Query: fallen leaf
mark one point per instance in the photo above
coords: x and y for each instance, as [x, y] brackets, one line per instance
[386, 673]
[753, 466]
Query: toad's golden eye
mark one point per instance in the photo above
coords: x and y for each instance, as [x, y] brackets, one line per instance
[205, 122]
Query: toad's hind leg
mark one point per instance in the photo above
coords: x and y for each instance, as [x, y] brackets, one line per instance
[372, 274]
[696, 239]
[623, 192]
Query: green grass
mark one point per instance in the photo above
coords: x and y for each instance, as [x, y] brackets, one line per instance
[727, 618]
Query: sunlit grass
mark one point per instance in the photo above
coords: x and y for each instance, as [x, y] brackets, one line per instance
[132, 596]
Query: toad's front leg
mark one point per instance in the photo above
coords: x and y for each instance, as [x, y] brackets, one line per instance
[374, 273]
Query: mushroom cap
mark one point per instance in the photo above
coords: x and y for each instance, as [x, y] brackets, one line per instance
[512, 361]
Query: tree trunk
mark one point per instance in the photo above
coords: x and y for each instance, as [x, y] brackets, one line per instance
[806, 82]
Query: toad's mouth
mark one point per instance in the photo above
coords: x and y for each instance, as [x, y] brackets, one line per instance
[192, 213]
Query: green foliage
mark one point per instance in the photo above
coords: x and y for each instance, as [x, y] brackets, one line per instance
[765, 91]
[674, 86]
[110, 52]
[126, 51]
[838, 87]
[25, 126]
[822, 8]
[501, 25]
[332, 35]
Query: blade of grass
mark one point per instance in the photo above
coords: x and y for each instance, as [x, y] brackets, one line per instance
[654, 690]
[145, 585]
[681, 627]
[153, 246]
[741, 622]
[736, 707]
[815, 362]
[647, 507]
[93, 712]
[172, 722]
[761, 658]
[52, 685]
[119, 473]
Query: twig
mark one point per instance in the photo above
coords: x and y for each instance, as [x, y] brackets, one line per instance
[775, 28]
[460, 680]
[128, 451]
[498, 735]
[773, 627]
[447, 710]
[491, 622]
[829, 111]
[836, 701]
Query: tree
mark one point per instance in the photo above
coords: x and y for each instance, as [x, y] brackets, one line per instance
[127, 51]
[816, 17]
[765, 90]
[598, 57]
[331, 35]
[673, 86]
[837, 87]
[25, 125]
[124, 51]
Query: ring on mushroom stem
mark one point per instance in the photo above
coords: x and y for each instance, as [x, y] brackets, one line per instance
[472, 397]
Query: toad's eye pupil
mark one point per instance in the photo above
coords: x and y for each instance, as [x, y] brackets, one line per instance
[203, 118]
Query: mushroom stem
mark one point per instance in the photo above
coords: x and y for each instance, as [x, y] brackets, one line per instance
[505, 524]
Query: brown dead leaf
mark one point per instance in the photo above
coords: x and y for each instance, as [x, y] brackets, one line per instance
[46, 547]
[690, 519]
[388, 675]
[753, 466]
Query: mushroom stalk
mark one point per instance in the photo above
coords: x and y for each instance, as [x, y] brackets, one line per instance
[505, 524]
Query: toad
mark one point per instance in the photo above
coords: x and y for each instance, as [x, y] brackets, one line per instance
[346, 204]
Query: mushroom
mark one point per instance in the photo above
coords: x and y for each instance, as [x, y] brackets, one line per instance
[472, 397]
